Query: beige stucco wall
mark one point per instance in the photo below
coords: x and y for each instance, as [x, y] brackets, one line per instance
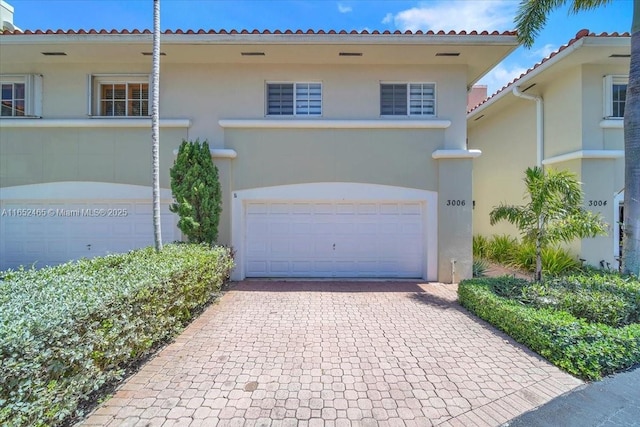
[455, 220]
[118, 155]
[600, 187]
[207, 93]
[573, 111]
[562, 106]
[508, 144]
[268, 157]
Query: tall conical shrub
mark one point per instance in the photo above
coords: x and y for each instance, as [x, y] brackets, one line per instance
[197, 193]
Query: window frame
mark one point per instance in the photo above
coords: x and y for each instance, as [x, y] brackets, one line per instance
[295, 98]
[408, 100]
[32, 94]
[94, 98]
[609, 82]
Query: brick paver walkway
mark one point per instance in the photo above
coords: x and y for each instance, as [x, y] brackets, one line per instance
[336, 354]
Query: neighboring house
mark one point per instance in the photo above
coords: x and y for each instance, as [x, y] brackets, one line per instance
[340, 154]
[565, 113]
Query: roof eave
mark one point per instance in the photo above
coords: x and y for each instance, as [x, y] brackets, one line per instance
[589, 40]
[262, 38]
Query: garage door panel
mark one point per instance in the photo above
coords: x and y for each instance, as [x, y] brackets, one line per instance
[346, 208]
[280, 226]
[257, 267]
[334, 239]
[280, 248]
[302, 247]
[301, 266]
[69, 230]
[122, 229]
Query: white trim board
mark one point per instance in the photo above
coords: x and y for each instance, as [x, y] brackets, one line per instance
[456, 154]
[612, 124]
[133, 122]
[584, 154]
[319, 123]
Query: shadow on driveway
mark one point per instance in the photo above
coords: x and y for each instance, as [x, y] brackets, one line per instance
[306, 285]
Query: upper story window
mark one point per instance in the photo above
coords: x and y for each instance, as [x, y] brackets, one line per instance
[294, 99]
[119, 95]
[615, 96]
[412, 99]
[20, 95]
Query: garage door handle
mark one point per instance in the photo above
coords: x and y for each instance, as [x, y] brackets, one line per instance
[334, 246]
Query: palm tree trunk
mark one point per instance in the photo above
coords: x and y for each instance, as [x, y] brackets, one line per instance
[538, 275]
[155, 125]
[631, 244]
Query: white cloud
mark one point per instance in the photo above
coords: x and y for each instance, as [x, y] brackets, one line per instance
[388, 18]
[344, 8]
[456, 15]
[544, 51]
[500, 76]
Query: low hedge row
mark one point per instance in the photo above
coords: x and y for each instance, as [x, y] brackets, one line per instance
[598, 297]
[587, 350]
[68, 330]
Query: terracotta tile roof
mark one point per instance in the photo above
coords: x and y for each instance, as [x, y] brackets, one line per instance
[579, 35]
[223, 31]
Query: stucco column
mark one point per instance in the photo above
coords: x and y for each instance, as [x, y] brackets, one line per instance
[600, 187]
[223, 159]
[455, 208]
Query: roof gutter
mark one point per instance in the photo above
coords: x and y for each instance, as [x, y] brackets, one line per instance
[539, 122]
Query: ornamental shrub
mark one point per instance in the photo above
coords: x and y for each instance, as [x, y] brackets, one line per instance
[68, 330]
[587, 349]
[197, 193]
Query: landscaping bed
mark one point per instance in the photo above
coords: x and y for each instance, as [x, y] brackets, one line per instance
[67, 331]
[587, 324]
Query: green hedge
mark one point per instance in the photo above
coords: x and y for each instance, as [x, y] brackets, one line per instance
[588, 350]
[68, 330]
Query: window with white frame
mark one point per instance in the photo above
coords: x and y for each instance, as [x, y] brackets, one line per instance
[407, 99]
[615, 95]
[294, 99]
[20, 95]
[119, 95]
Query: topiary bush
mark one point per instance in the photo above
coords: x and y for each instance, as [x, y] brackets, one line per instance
[584, 348]
[68, 330]
[196, 188]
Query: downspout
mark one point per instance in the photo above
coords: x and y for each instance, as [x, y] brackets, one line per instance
[539, 123]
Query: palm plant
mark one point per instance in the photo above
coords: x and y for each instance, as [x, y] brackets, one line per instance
[530, 19]
[155, 125]
[553, 214]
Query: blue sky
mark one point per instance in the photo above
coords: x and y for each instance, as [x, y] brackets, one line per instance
[327, 15]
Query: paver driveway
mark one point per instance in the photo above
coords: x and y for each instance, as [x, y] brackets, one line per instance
[336, 354]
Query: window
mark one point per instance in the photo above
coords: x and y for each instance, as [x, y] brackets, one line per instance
[402, 99]
[615, 90]
[119, 95]
[20, 96]
[294, 99]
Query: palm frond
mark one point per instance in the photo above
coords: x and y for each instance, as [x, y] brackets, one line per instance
[532, 17]
[579, 5]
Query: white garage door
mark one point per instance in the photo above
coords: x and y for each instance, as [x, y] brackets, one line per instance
[53, 231]
[334, 239]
